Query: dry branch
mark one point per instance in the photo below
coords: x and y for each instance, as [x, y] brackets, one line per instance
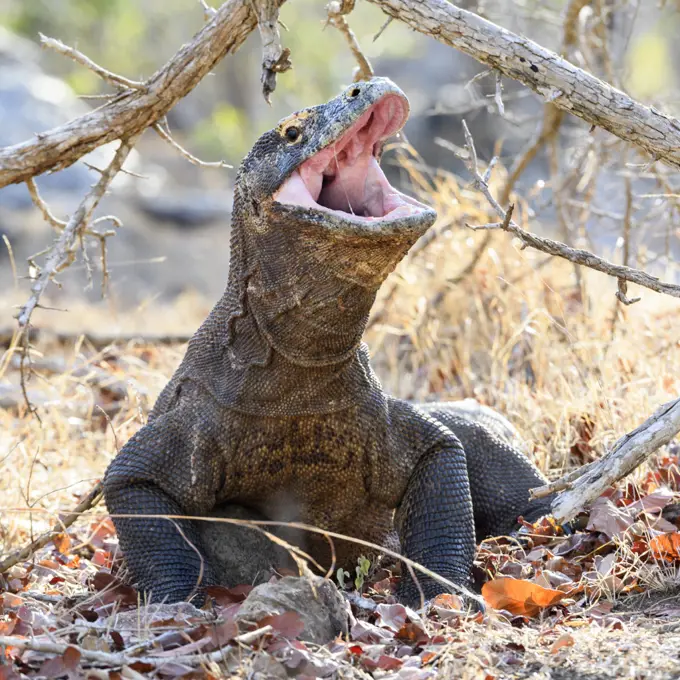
[123, 659]
[551, 247]
[130, 112]
[337, 9]
[61, 250]
[275, 59]
[545, 72]
[628, 452]
[112, 78]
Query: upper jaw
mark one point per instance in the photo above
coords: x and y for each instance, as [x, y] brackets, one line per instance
[343, 182]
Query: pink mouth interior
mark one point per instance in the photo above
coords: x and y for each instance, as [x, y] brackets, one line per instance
[344, 178]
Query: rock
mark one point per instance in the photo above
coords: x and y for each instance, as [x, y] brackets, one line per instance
[240, 554]
[319, 603]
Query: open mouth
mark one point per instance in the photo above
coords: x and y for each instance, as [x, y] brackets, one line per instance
[345, 178]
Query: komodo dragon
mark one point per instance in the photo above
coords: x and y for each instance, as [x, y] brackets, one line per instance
[275, 406]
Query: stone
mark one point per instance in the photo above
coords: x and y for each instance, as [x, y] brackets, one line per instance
[319, 603]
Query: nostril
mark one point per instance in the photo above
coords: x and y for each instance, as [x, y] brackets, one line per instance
[355, 92]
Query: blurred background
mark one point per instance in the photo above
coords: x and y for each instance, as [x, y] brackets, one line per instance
[176, 216]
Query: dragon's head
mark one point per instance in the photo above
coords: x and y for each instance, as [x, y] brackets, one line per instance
[318, 224]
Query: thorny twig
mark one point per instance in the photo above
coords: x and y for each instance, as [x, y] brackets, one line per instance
[337, 9]
[112, 78]
[551, 247]
[62, 251]
[165, 134]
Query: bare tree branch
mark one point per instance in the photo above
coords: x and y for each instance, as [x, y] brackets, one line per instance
[547, 245]
[130, 112]
[628, 452]
[112, 78]
[545, 72]
[165, 134]
[275, 58]
[337, 9]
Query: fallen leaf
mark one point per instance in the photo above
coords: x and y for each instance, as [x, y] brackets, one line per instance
[606, 518]
[448, 601]
[225, 596]
[519, 597]
[389, 663]
[62, 542]
[413, 632]
[565, 640]
[666, 546]
[392, 616]
[362, 631]
[653, 502]
[289, 624]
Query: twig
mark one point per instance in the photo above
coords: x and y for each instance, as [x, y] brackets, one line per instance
[208, 11]
[42, 206]
[123, 659]
[61, 251]
[72, 53]
[131, 112]
[627, 454]
[546, 245]
[323, 532]
[89, 502]
[564, 482]
[337, 9]
[164, 134]
[275, 58]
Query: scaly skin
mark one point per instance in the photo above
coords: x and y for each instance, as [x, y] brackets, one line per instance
[275, 406]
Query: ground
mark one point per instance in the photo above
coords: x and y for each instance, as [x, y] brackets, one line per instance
[571, 368]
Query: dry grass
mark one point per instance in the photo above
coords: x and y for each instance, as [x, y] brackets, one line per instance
[513, 334]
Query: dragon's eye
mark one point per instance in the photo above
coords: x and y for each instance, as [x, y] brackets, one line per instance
[292, 133]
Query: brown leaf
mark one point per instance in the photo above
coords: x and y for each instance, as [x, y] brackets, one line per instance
[565, 640]
[609, 520]
[62, 542]
[519, 597]
[448, 601]
[413, 632]
[114, 589]
[392, 616]
[226, 596]
[71, 658]
[389, 663]
[8, 673]
[289, 624]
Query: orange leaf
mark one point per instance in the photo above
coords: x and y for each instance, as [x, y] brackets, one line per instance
[448, 601]
[63, 543]
[565, 640]
[666, 546]
[519, 597]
